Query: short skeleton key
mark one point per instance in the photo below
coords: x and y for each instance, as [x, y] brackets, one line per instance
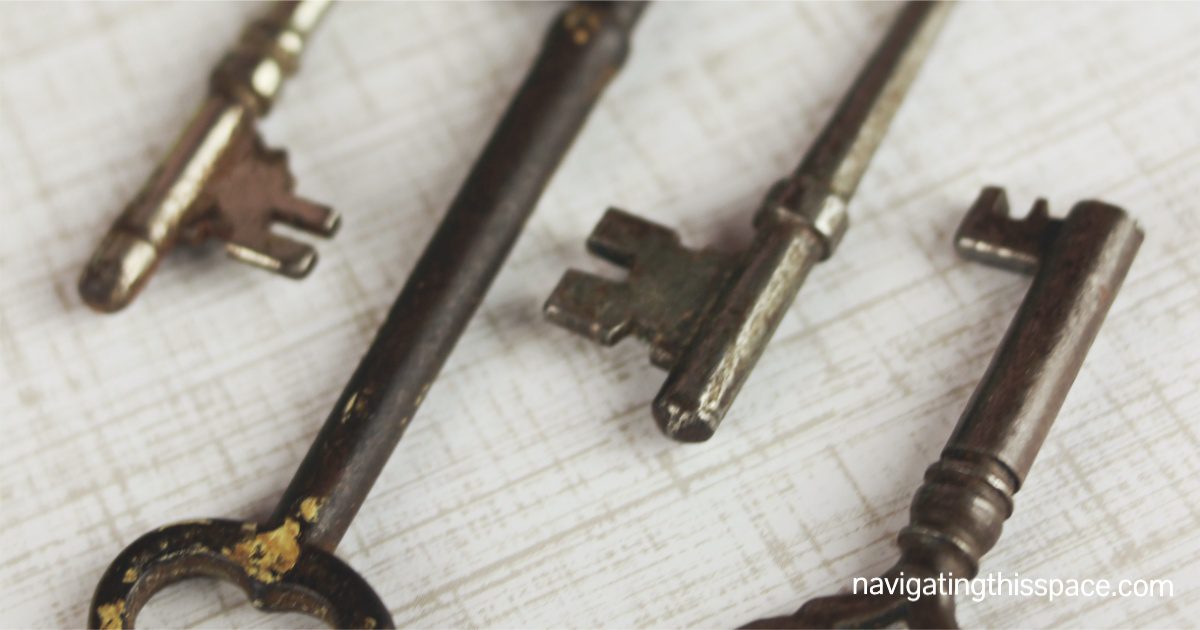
[707, 316]
[1078, 264]
[287, 563]
[219, 181]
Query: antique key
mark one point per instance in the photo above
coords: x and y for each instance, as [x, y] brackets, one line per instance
[708, 316]
[220, 181]
[1078, 264]
[287, 562]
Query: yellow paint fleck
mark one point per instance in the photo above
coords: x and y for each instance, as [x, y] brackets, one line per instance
[369, 623]
[112, 615]
[421, 394]
[349, 408]
[130, 577]
[357, 405]
[267, 556]
[581, 22]
[310, 508]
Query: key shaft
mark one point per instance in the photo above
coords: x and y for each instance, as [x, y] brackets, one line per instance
[583, 50]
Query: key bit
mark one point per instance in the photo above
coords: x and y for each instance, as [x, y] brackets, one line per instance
[219, 180]
[1078, 265]
[707, 316]
[667, 290]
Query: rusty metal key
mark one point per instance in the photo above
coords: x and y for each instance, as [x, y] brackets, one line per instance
[708, 316]
[1078, 265]
[219, 180]
[287, 562]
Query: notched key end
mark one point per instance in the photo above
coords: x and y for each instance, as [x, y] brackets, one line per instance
[621, 237]
[255, 193]
[117, 271]
[989, 234]
[667, 292]
[262, 248]
[287, 257]
[589, 305]
[600, 309]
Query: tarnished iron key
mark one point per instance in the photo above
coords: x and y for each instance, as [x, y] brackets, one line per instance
[287, 562]
[1078, 265]
[219, 181]
[708, 316]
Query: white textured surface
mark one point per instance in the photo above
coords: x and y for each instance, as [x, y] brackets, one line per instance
[533, 489]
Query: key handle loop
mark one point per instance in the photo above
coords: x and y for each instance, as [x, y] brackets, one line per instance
[274, 566]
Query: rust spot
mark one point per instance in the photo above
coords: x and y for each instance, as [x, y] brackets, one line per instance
[112, 615]
[131, 576]
[267, 556]
[581, 22]
[310, 508]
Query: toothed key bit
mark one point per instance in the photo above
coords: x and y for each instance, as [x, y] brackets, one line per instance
[708, 316]
[220, 181]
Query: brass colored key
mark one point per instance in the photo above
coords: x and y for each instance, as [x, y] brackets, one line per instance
[707, 316]
[219, 181]
[1078, 264]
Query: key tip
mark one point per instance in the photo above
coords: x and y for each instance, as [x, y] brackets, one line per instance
[117, 271]
[684, 421]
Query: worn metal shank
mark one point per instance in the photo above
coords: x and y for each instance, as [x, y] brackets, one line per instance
[582, 52]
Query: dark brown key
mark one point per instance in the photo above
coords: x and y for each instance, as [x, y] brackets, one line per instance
[219, 181]
[287, 561]
[708, 317]
[1078, 265]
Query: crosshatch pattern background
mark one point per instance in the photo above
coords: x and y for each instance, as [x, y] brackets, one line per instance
[533, 489]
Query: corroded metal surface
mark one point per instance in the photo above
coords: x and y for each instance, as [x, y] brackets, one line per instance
[287, 562]
[708, 317]
[957, 514]
[219, 181]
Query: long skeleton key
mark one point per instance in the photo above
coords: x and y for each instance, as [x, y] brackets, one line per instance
[707, 316]
[1078, 264]
[219, 181]
[287, 562]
